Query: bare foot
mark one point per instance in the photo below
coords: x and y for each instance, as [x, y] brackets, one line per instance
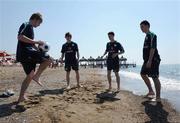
[24, 98]
[79, 86]
[68, 87]
[150, 95]
[37, 80]
[109, 89]
[118, 90]
[15, 104]
[158, 99]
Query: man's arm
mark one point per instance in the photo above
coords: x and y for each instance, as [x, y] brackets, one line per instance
[25, 39]
[116, 54]
[62, 53]
[78, 55]
[106, 51]
[121, 52]
[77, 50]
[148, 65]
[121, 49]
[62, 57]
[104, 54]
[152, 51]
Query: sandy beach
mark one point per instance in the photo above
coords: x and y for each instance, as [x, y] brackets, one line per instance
[90, 104]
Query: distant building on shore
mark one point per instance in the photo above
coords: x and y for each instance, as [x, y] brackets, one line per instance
[84, 62]
[101, 62]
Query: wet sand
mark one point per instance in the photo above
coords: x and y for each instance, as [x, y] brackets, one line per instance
[90, 104]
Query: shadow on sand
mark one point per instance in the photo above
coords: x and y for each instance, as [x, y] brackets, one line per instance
[51, 92]
[7, 109]
[155, 112]
[10, 108]
[54, 92]
[106, 96]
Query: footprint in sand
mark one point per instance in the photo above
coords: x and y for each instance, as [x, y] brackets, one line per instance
[99, 110]
[32, 101]
[69, 99]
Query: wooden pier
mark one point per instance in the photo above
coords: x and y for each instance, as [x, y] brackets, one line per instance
[100, 63]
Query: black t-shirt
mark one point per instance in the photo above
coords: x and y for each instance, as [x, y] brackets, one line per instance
[25, 29]
[113, 47]
[70, 49]
[150, 42]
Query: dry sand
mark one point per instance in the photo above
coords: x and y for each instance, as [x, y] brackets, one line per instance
[90, 104]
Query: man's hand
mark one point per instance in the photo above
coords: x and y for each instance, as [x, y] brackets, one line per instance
[61, 60]
[104, 54]
[148, 64]
[114, 55]
[77, 59]
[40, 42]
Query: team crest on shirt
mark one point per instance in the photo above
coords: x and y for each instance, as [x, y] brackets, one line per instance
[69, 50]
[115, 45]
[73, 45]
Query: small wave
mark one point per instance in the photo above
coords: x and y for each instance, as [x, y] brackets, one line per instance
[167, 83]
[170, 84]
[131, 75]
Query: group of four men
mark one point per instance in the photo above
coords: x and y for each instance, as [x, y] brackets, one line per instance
[29, 55]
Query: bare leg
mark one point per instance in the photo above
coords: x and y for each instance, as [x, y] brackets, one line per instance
[25, 85]
[77, 78]
[109, 79]
[117, 80]
[68, 79]
[158, 87]
[148, 84]
[41, 68]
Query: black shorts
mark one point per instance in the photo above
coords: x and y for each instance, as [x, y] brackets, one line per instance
[153, 71]
[74, 65]
[30, 62]
[113, 64]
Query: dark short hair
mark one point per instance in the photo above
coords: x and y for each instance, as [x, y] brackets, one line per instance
[36, 16]
[68, 34]
[145, 22]
[111, 33]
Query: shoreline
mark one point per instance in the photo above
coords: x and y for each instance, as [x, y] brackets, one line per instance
[131, 81]
[90, 103]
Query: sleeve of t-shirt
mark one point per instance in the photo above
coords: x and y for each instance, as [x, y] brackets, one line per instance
[26, 29]
[120, 48]
[21, 28]
[154, 41]
[63, 49]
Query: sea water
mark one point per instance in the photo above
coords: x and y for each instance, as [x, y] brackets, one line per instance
[169, 78]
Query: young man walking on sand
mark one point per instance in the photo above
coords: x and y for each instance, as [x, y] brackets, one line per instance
[113, 48]
[29, 55]
[150, 67]
[71, 52]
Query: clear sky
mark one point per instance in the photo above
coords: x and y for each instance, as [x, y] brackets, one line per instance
[89, 21]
